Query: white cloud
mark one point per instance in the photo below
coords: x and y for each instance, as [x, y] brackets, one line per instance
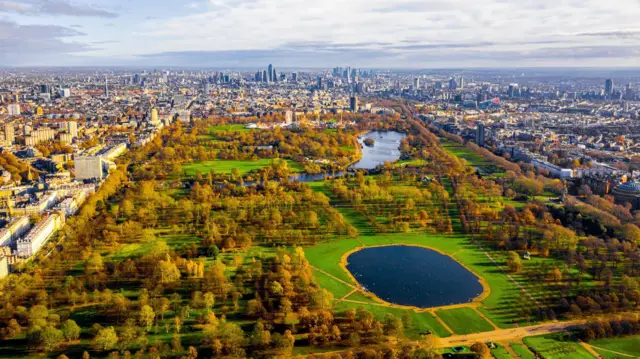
[409, 32]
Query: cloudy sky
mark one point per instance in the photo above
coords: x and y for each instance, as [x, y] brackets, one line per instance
[324, 33]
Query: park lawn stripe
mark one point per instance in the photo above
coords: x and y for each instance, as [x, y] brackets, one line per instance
[464, 320]
[627, 345]
[522, 351]
[551, 347]
[226, 166]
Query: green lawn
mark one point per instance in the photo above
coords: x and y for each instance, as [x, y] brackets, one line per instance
[243, 166]
[232, 127]
[553, 347]
[464, 320]
[461, 151]
[500, 353]
[628, 345]
[522, 351]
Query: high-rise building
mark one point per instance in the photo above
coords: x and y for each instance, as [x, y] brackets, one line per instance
[265, 77]
[480, 135]
[353, 103]
[416, 83]
[72, 128]
[66, 92]
[453, 84]
[106, 87]
[44, 89]
[274, 76]
[294, 76]
[270, 73]
[608, 88]
[89, 167]
[9, 133]
[14, 109]
[461, 83]
[154, 115]
[320, 84]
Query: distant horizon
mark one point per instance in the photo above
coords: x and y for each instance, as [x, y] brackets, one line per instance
[406, 34]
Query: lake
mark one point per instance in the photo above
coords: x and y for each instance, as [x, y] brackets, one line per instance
[385, 148]
[413, 276]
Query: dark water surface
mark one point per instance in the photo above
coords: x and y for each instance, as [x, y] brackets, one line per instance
[414, 276]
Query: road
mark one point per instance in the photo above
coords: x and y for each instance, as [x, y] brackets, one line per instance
[509, 334]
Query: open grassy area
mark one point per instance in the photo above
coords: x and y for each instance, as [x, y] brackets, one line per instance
[232, 127]
[522, 351]
[628, 345]
[464, 320]
[243, 166]
[553, 347]
[500, 353]
[461, 151]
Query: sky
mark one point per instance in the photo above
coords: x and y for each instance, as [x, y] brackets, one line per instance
[322, 33]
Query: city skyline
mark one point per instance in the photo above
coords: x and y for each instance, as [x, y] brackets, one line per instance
[407, 34]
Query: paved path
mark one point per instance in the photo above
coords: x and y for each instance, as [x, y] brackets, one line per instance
[334, 277]
[591, 348]
[513, 334]
[588, 348]
[345, 297]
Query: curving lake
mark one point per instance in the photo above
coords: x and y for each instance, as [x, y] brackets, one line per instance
[385, 148]
[413, 276]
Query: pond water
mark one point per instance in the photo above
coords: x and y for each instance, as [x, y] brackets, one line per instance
[413, 276]
[385, 148]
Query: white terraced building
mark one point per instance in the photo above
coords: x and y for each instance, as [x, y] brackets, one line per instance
[39, 235]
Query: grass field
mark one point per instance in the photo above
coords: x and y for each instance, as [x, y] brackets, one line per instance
[464, 321]
[461, 151]
[628, 345]
[233, 127]
[552, 347]
[243, 166]
[522, 351]
[500, 353]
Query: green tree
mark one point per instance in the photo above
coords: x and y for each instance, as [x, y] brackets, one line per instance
[50, 338]
[147, 316]
[70, 330]
[105, 339]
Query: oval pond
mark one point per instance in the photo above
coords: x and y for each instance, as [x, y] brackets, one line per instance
[413, 276]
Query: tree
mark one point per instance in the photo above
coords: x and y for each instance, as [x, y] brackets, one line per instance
[105, 339]
[70, 330]
[50, 338]
[429, 341]
[481, 349]
[147, 316]
[514, 263]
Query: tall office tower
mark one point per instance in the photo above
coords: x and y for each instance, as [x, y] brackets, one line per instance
[416, 83]
[319, 82]
[258, 77]
[480, 134]
[154, 115]
[608, 88]
[9, 133]
[348, 74]
[205, 88]
[294, 76]
[66, 92]
[270, 73]
[452, 84]
[106, 87]
[461, 82]
[353, 103]
[274, 76]
[72, 128]
[14, 109]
